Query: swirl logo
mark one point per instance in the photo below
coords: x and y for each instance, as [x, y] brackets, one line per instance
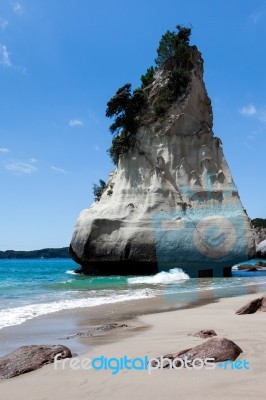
[215, 236]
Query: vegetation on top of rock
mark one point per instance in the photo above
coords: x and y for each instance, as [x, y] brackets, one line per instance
[124, 106]
[259, 222]
[120, 145]
[98, 189]
[174, 57]
[148, 78]
[173, 45]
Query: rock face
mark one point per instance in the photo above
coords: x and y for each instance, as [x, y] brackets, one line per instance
[30, 358]
[261, 249]
[173, 201]
[253, 306]
[220, 349]
[260, 235]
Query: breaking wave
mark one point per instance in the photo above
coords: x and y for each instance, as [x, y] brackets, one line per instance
[175, 275]
[18, 315]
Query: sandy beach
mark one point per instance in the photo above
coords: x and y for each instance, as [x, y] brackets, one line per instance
[154, 335]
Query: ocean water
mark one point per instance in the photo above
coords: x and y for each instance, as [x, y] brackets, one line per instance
[30, 288]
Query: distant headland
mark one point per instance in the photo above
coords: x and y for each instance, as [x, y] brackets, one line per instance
[43, 253]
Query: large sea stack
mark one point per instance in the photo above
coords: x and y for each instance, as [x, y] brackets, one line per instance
[171, 201]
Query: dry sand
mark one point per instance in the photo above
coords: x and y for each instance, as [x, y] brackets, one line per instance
[164, 332]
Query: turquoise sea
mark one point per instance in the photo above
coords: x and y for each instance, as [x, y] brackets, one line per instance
[29, 288]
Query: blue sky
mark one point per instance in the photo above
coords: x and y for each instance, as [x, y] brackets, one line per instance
[60, 62]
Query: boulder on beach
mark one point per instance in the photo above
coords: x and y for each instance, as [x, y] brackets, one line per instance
[204, 333]
[30, 358]
[261, 249]
[221, 349]
[252, 306]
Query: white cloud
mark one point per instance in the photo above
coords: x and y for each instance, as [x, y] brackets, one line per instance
[75, 122]
[4, 56]
[20, 167]
[256, 17]
[248, 110]
[4, 150]
[97, 148]
[251, 111]
[17, 7]
[6, 61]
[33, 160]
[61, 170]
[3, 23]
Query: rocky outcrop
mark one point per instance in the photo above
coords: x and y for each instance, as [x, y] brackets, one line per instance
[204, 333]
[253, 306]
[261, 250]
[30, 358]
[98, 330]
[171, 201]
[260, 234]
[219, 349]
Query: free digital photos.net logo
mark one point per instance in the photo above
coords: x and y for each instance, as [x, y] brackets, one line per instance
[207, 237]
[118, 364]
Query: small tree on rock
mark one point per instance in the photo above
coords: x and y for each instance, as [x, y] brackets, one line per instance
[172, 43]
[98, 189]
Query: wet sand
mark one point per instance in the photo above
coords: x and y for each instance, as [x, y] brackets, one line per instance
[153, 334]
[56, 327]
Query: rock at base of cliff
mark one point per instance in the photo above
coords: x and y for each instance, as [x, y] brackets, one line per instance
[30, 358]
[261, 250]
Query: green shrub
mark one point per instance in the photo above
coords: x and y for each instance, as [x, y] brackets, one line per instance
[124, 106]
[121, 144]
[148, 78]
[159, 110]
[172, 44]
[98, 189]
[259, 222]
[174, 55]
[177, 83]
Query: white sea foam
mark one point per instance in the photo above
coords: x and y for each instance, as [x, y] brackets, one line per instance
[175, 275]
[18, 315]
[71, 272]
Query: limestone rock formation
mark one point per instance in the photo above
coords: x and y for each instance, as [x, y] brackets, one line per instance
[171, 201]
